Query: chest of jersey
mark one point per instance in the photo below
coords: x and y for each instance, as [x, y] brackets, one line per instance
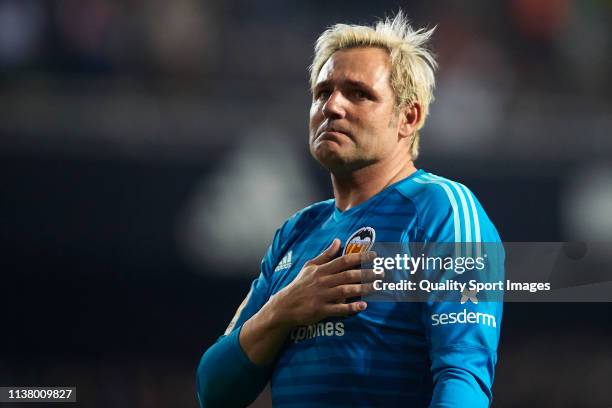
[358, 231]
[385, 336]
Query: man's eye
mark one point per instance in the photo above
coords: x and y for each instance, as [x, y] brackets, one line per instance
[360, 94]
[323, 94]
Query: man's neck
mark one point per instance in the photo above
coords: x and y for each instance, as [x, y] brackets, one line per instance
[352, 189]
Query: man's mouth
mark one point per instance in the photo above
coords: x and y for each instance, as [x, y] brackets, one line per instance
[332, 132]
[327, 134]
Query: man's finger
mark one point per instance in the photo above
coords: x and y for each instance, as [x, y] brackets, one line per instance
[349, 291]
[345, 309]
[351, 276]
[326, 255]
[345, 262]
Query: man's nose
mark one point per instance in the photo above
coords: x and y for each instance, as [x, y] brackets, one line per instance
[334, 106]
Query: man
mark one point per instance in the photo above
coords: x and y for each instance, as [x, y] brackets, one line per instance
[306, 325]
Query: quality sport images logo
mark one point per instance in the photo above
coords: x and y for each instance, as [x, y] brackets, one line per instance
[360, 241]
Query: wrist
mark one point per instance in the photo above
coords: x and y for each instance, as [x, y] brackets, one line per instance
[278, 317]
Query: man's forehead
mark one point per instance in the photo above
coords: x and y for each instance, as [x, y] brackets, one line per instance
[367, 65]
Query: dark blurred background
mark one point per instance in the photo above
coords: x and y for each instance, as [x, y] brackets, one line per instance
[149, 149]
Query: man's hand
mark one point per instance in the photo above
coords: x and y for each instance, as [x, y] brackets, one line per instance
[317, 292]
[322, 286]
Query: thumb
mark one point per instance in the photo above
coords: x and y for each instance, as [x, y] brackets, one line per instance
[326, 255]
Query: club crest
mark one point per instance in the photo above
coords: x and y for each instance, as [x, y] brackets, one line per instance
[360, 241]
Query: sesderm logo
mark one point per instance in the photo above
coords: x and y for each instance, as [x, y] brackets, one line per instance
[463, 317]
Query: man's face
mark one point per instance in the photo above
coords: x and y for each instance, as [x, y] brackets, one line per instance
[353, 120]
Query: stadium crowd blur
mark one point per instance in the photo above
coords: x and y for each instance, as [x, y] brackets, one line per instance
[149, 149]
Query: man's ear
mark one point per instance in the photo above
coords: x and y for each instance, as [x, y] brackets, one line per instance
[408, 120]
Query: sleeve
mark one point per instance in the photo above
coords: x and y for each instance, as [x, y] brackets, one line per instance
[462, 335]
[225, 376]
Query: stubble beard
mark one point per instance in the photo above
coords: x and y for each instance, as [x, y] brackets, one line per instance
[342, 164]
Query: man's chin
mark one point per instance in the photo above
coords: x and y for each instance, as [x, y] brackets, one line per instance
[337, 163]
[329, 157]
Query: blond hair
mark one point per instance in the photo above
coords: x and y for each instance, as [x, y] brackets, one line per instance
[412, 64]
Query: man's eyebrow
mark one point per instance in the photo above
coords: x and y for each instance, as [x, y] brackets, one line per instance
[322, 84]
[358, 84]
[349, 82]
